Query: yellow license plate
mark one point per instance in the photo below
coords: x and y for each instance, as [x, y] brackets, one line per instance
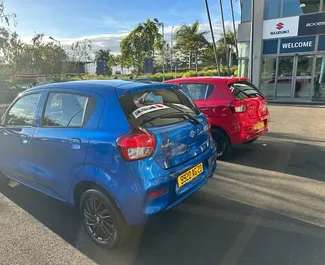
[189, 175]
[259, 125]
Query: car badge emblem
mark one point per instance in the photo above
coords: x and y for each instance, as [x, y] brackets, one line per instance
[192, 133]
[167, 144]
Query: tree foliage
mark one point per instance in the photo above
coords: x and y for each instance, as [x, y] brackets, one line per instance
[103, 55]
[37, 57]
[7, 37]
[141, 43]
[191, 41]
[79, 53]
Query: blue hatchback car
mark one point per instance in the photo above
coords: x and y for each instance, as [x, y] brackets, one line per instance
[119, 151]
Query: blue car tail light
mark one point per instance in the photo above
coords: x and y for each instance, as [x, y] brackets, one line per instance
[138, 144]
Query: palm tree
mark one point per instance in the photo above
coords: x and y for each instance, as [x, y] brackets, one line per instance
[191, 40]
[231, 41]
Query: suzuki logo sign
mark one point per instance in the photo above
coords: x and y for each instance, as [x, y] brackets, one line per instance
[279, 26]
[275, 29]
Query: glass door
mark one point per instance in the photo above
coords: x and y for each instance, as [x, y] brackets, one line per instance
[267, 83]
[319, 79]
[284, 80]
[303, 79]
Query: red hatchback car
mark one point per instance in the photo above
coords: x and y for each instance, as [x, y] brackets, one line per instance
[237, 111]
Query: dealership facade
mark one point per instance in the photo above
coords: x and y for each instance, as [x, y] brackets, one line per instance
[282, 48]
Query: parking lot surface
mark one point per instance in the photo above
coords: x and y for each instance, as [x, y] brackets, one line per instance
[263, 206]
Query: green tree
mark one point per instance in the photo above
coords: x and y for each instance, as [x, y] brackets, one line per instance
[141, 43]
[230, 38]
[38, 57]
[189, 40]
[80, 54]
[7, 37]
[231, 42]
[103, 55]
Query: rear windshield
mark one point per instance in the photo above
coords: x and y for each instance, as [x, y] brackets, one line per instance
[243, 90]
[197, 91]
[158, 107]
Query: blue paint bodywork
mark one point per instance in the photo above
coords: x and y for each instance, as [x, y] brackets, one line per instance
[53, 162]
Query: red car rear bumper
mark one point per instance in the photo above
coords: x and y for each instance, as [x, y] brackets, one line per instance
[248, 131]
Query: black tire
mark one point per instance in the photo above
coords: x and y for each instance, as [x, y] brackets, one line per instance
[251, 141]
[102, 219]
[222, 143]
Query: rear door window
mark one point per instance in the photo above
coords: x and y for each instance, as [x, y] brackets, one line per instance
[197, 91]
[158, 107]
[68, 110]
[242, 90]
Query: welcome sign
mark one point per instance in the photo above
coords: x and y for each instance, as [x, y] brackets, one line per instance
[296, 45]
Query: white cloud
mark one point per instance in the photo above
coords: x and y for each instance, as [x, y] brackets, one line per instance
[112, 41]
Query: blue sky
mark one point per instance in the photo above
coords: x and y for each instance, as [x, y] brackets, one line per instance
[106, 22]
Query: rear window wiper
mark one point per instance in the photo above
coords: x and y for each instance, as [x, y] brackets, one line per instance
[175, 115]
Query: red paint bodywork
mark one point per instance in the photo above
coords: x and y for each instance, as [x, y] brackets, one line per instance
[238, 126]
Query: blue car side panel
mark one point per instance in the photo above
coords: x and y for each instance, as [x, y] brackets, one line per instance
[59, 159]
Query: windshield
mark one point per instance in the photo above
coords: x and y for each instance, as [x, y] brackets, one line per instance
[157, 107]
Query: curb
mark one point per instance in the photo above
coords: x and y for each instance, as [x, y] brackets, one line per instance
[320, 104]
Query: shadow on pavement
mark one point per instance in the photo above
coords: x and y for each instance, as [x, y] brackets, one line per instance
[241, 216]
[280, 153]
[205, 229]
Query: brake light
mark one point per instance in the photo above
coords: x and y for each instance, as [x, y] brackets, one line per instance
[238, 106]
[136, 145]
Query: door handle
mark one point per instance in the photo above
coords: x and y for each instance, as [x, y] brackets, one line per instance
[24, 139]
[75, 143]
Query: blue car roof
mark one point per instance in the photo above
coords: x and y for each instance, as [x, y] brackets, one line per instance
[121, 87]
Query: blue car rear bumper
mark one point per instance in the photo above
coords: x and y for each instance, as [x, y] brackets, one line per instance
[137, 209]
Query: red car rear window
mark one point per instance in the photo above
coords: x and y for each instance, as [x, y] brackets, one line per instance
[244, 89]
[197, 91]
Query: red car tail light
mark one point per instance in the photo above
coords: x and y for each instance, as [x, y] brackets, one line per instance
[136, 145]
[238, 106]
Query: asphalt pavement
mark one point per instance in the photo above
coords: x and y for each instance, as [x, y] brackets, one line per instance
[263, 206]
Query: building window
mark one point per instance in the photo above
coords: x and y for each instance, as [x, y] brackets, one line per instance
[268, 77]
[243, 61]
[243, 68]
[299, 7]
[246, 10]
[272, 9]
[243, 49]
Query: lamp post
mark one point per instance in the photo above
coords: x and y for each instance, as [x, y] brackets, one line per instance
[51, 38]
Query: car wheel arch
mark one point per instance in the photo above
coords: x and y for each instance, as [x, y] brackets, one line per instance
[214, 127]
[83, 186]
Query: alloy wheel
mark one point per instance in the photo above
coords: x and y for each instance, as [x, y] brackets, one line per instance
[99, 220]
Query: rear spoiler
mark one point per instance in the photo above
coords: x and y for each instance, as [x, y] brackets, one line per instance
[139, 87]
